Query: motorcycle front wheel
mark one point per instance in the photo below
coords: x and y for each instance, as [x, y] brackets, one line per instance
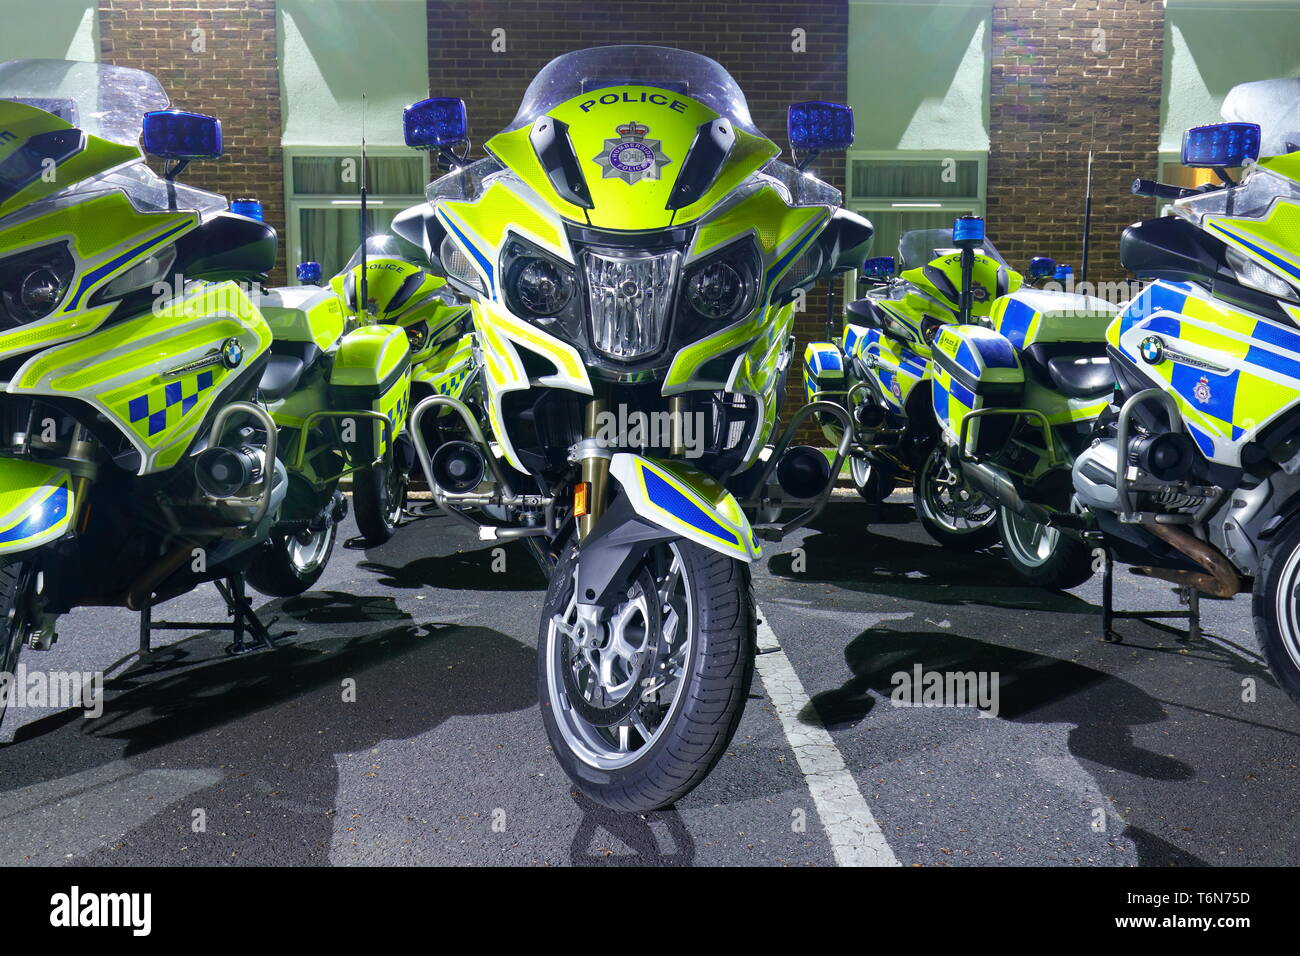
[1044, 556]
[1275, 607]
[16, 578]
[951, 512]
[289, 564]
[378, 497]
[640, 710]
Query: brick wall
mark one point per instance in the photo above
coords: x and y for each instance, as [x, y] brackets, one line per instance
[1069, 75]
[228, 71]
[752, 39]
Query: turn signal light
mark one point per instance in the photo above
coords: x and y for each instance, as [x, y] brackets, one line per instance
[580, 492]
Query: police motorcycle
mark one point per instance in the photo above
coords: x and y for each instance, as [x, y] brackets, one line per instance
[880, 367]
[136, 461]
[1195, 475]
[403, 292]
[632, 249]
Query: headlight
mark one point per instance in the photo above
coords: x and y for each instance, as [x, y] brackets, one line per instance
[629, 295]
[722, 287]
[32, 284]
[715, 290]
[542, 287]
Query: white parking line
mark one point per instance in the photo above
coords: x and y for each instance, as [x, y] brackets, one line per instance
[854, 835]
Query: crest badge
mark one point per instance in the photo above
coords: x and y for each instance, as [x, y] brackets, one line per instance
[1202, 390]
[630, 156]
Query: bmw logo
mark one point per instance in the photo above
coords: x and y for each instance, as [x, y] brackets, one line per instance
[232, 353]
[1153, 349]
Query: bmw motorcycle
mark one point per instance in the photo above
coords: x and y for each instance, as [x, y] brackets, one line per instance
[1195, 475]
[881, 369]
[136, 462]
[632, 249]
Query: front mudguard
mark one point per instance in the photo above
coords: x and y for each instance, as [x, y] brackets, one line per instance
[657, 501]
[36, 504]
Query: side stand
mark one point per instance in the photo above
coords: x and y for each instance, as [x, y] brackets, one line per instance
[243, 619]
[1188, 596]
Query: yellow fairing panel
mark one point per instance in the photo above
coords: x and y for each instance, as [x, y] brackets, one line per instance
[36, 504]
[156, 376]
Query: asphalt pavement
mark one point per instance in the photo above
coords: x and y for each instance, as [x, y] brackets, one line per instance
[397, 723]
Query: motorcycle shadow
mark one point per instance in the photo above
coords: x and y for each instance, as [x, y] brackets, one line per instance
[635, 831]
[1102, 710]
[842, 552]
[503, 566]
[261, 734]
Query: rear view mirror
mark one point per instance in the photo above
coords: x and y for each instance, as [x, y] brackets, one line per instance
[878, 267]
[176, 134]
[1221, 145]
[817, 127]
[1042, 267]
[436, 123]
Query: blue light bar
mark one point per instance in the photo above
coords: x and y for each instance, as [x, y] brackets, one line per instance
[820, 126]
[878, 267]
[176, 134]
[435, 123]
[1222, 144]
[308, 272]
[968, 229]
[1042, 267]
[1063, 273]
[252, 208]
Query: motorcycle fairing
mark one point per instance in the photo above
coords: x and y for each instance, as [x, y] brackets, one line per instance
[447, 370]
[687, 502]
[1230, 371]
[662, 126]
[106, 237]
[941, 279]
[156, 376]
[36, 504]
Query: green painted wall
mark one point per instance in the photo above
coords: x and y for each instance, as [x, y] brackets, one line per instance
[49, 29]
[919, 74]
[1212, 45]
[333, 51]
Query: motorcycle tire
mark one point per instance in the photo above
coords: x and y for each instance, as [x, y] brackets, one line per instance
[704, 604]
[938, 516]
[378, 498]
[1275, 606]
[1045, 557]
[286, 566]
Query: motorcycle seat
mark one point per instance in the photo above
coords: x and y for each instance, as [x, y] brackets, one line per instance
[1082, 375]
[1075, 369]
[285, 368]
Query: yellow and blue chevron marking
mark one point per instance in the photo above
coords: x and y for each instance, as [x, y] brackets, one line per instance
[160, 408]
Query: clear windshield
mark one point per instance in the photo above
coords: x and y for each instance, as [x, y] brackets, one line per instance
[104, 101]
[920, 246]
[676, 71]
[381, 246]
[1274, 105]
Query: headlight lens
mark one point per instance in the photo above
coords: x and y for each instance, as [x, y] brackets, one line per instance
[32, 284]
[542, 287]
[630, 295]
[715, 290]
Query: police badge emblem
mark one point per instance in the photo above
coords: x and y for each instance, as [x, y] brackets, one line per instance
[1202, 390]
[630, 156]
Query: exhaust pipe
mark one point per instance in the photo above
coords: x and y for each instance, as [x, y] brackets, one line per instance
[1002, 489]
[1221, 578]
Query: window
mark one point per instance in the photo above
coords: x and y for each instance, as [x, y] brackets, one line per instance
[324, 199]
[904, 190]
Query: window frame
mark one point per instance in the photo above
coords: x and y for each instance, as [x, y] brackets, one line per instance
[295, 203]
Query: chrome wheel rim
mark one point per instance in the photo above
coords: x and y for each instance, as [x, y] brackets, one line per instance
[860, 471]
[1031, 543]
[305, 557]
[621, 664]
[948, 501]
[1286, 606]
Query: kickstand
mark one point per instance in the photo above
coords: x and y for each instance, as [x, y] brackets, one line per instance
[1186, 596]
[243, 619]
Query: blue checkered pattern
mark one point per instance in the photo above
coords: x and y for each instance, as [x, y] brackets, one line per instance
[153, 406]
